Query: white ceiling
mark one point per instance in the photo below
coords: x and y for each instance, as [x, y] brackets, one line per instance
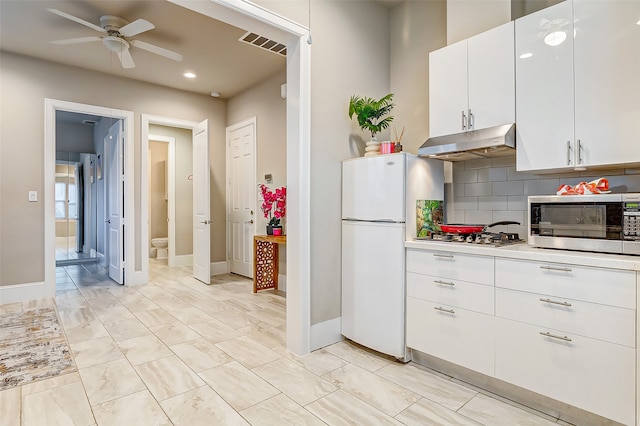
[210, 48]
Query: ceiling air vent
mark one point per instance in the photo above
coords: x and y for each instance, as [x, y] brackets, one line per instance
[264, 43]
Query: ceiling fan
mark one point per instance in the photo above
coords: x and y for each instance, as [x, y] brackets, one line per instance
[116, 38]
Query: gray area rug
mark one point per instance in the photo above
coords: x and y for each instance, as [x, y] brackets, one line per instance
[32, 348]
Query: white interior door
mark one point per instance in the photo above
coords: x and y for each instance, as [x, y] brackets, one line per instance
[201, 209]
[114, 171]
[242, 190]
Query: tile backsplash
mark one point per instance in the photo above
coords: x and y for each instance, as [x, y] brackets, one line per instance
[491, 190]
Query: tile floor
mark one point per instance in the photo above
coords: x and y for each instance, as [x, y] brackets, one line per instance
[179, 352]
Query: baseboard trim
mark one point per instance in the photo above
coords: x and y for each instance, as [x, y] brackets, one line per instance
[25, 292]
[182, 260]
[219, 268]
[326, 333]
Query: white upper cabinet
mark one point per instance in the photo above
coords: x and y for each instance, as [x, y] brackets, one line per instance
[471, 83]
[577, 91]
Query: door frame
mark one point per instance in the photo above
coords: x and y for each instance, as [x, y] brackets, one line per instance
[145, 121]
[50, 108]
[171, 194]
[251, 120]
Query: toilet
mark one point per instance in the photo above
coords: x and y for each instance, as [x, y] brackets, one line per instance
[161, 244]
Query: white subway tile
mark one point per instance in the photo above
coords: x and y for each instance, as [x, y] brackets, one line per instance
[507, 188]
[515, 215]
[521, 230]
[516, 202]
[480, 163]
[493, 203]
[541, 187]
[457, 166]
[509, 161]
[455, 216]
[513, 174]
[626, 183]
[480, 217]
[465, 203]
[465, 176]
[458, 189]
[477, 189]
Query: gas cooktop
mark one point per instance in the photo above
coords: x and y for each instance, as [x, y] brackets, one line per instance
[492, 239]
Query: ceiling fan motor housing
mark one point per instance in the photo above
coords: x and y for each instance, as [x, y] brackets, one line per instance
[112, 23]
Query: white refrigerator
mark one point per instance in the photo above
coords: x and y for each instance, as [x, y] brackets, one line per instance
[379, 197]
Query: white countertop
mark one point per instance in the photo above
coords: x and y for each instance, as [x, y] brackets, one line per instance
[526, 252]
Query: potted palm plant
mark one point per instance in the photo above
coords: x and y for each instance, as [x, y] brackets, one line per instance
[373, 116]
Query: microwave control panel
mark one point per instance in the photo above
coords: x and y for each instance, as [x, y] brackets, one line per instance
[631, 221]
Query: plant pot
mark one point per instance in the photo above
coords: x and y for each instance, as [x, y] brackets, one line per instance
[271, 228]
[372, 148]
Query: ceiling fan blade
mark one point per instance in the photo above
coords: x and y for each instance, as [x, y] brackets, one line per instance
[157, 50]
[136, 27]
[126, 59]
[76, 40]
[78, 20]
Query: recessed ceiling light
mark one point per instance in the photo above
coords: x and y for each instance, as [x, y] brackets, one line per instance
[638, 23]
[215, 94]
[555, 38]
[526, 55]
[189, 75]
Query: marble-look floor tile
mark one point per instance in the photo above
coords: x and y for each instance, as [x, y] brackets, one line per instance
[38, 303]
[10, 407]
[174, 333]
[372, 389]
[144, 349]
[51, 383]
[167, 377]
[88, 331]
[215, 331]
[274, 317]
[155, 317]
[111, 380]
[139, 304]
[235, 319]
[239, 386]
[449, 394]
[247, 352]
[342, 409]
[201, 407]
[65, 404]
[11, 308]
[200, 354]
[70, 300]
[426, 412]
[191, 315]
[137, 409]
[113, 313]
[318, 362]
[299, 384]
[93, 352]
[74, 317]
[126, 329]
[369, 360]
[266, 335]
[490, 411]
[280, 410]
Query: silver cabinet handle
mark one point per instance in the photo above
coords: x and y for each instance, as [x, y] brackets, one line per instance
[443, 282]
[440, 308]
[555, 302]
[554, 336]
[555, 268]
[568, 153]
[579, 152]
[464, 121]
[448, 256]
[470, 120]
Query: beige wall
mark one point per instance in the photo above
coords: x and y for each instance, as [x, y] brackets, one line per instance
[24, 84]
[466, 18]
[184, 190]
[158, 203]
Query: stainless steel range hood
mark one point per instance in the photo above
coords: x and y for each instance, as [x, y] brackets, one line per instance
[497, 141]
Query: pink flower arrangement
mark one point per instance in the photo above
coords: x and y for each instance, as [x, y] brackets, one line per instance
[273, 204]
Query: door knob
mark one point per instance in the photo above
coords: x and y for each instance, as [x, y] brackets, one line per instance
[206, 222]
[250, 221]
[107, 221]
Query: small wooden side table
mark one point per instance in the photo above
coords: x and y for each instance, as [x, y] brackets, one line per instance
[265, 261]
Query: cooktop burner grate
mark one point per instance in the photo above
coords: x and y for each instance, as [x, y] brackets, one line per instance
[494, 239]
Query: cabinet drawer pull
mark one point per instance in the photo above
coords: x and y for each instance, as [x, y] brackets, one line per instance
[440, 308]
[555, 302]
[555, 268]
[444, 282]
[448, 256]
[464, 121]
[568, 153]
[547, 334]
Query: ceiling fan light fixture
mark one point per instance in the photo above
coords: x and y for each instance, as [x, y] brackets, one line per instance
[115, 44]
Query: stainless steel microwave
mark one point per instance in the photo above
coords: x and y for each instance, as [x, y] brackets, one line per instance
[607, 223]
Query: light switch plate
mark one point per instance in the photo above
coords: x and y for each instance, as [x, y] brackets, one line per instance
[33, 196]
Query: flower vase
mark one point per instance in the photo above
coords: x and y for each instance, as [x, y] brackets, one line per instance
[372, 148]
[270, 230]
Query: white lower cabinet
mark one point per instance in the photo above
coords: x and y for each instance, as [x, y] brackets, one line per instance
[451, 333]
[588, 373]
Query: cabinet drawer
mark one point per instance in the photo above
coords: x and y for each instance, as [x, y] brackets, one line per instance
[458, 336]
[461, 294]
[590, 374]
[598, 285]
[466, 267]
[603, 322]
